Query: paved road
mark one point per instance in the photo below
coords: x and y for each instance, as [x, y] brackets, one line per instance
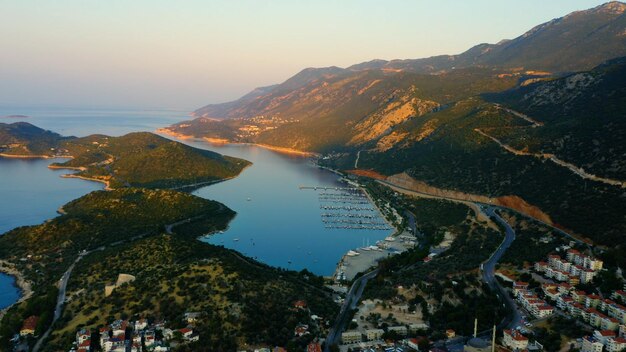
[411, 191]
[412, 225]
[488, 271]
[66, 276]
[60, 299]
[351, 301]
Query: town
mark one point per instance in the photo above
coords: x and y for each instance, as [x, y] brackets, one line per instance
[136, 336]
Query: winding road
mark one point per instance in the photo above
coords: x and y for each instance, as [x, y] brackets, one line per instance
[58, 310]
[488, 271]
[61, 298]
[351, 301]
[513, 319]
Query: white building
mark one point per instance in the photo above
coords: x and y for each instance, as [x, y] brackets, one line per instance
[590, 344]
[514, 340]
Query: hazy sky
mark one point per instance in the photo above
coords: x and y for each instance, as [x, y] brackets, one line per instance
[185, 54]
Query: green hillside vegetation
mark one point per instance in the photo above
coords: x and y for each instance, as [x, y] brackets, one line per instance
[533, 241]
[240, 302]
[583, 115]
[99, 219]
[147, 160]
[429, 286]
[456, 157]
[24, 139]
[139, 159]
[124, 231]
[325, 114]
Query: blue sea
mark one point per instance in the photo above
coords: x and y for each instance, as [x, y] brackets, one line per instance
[277, 222]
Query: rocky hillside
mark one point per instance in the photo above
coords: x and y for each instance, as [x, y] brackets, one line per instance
[509, 121]
[582, 117]
[576, 42]
[556, 145]
[344, 109]
[332, 108]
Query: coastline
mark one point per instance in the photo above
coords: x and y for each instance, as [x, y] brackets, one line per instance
[106, 183]
[35, 156]
[284, 150]
[21, 283]
[206, 183]
[59, 167]
[24, 156]
[221, 141]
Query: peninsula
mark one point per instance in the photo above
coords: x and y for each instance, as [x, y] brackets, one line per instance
[150, 235]
[139, 159]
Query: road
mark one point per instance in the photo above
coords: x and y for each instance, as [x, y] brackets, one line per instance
[488, 270]
[60, 299]
[351, 301]
[464, 201]
[356, 162]
[66, 276]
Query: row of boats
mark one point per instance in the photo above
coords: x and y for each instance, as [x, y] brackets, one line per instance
[346, 207]
[344, 201]
[351, 221]
[380, 246]
[349, 215]
[358, 227]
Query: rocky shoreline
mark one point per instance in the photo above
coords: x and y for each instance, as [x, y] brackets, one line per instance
[21, 283]
[220, 141]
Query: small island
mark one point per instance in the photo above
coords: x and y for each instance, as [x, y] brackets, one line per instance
[139, 159]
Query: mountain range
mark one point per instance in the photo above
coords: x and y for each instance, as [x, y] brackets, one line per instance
[539, 119]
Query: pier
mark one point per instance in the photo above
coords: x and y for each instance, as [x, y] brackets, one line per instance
[348, 208]
[325, 188]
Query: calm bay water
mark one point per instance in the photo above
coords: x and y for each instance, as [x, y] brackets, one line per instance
[280, 224]
[32, 193]
[8, 292]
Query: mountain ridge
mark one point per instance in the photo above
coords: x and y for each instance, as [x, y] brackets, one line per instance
[533, 50]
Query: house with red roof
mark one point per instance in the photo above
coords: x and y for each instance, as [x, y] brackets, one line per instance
[603, 335]
[85, 346]
[314, 347]
[616, 344]
[514, 340]
[299, 304]
[186, 332]
[29, 325]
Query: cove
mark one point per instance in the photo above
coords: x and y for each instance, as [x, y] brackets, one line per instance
[277, 222]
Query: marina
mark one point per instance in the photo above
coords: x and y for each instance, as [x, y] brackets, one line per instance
[348, 208]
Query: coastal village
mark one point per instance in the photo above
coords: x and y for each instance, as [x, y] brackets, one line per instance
[558, 275]
[556, 294]
[392, 326]
[603, 317]
[136, 336]
[143, 335]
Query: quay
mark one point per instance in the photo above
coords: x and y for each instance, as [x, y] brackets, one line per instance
[330, 188]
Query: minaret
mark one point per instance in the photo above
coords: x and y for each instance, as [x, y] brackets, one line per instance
[475, 327]
[493, 339]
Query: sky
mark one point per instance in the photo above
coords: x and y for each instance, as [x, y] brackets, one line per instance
[185, 54]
